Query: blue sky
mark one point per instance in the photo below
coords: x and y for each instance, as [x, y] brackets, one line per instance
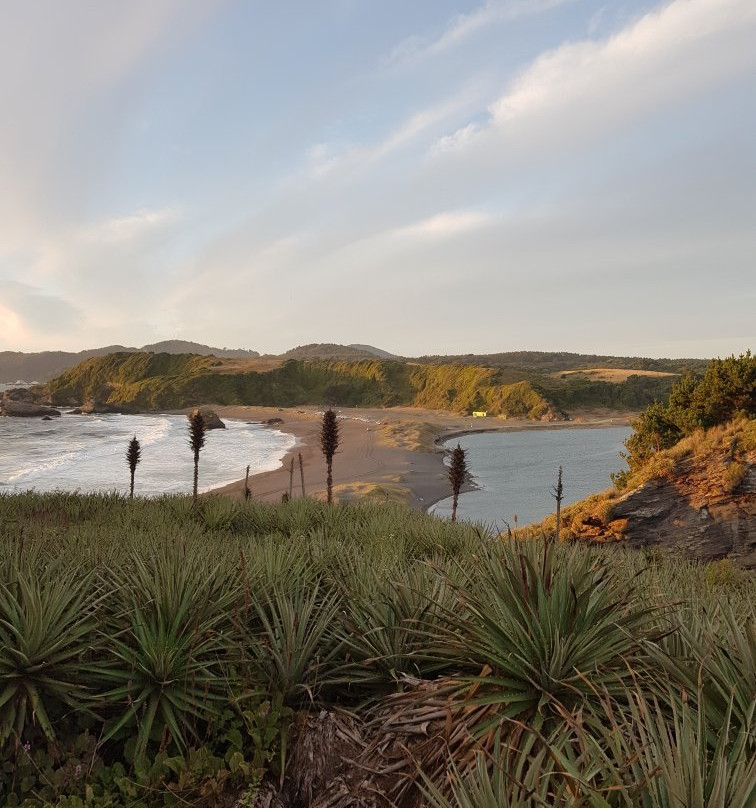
[426, 176]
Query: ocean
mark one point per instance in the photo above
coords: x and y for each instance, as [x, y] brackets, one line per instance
[516, 471]
[87, 453]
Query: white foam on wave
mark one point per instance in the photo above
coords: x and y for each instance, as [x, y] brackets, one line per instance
[89, 454]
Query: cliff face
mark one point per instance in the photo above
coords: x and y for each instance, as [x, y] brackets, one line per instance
[699, 499]
[693, 516]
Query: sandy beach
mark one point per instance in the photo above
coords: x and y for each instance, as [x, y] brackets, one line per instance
[386, 454]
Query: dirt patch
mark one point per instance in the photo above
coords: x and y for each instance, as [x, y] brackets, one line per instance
[612, 375]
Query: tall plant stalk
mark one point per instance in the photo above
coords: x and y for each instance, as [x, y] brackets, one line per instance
[457, 472]
[558, 493]
[133, 456]
[329, 442]
[197, 433]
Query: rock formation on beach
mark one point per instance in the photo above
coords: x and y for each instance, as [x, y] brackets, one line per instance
[21, 403]
[211, 418]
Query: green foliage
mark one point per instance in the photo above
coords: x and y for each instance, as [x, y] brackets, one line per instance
[46, 636]
[549, 632]
[176, 650]
[726, 390]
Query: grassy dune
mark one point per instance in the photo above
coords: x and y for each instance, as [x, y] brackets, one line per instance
[152, 654]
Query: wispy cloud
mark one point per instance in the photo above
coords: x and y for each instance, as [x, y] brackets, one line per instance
[445, 225]
[133, 227]
[464, 26]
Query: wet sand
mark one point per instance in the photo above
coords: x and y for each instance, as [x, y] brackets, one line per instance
[383, 453]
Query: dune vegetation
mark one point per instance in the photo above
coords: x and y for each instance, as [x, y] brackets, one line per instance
[157, 653]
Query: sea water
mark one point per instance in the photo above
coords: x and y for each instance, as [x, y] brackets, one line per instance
[515, 472]
[87, 453]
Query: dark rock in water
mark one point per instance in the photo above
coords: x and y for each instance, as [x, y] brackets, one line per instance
[46, 418]
[211, 418]
[24, 409]
[75, 411]
[272, 421]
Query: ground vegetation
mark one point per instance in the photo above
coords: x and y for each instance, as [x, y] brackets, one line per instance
[153, 653]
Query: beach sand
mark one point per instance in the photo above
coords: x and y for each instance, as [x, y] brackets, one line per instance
[385, 454]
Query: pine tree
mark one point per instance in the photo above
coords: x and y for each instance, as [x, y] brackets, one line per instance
[329, 442]
[197, 431]
[457, 473]
[133, 456]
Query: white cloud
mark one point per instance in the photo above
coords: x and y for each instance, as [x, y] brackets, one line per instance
[582, 90]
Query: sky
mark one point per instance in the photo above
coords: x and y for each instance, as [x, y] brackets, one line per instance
[426, 176]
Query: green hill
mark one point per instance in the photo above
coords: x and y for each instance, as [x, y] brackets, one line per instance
[139, 381]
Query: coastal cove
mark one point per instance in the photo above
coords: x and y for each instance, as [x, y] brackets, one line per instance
[392, 454]
[396, 453]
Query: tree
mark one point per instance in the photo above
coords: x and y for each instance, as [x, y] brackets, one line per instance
[329, 442]
[197, 432]
[457, 474]
[727, 389]
[133, 456]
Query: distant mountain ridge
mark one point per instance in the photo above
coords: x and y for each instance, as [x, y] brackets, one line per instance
[46, 365]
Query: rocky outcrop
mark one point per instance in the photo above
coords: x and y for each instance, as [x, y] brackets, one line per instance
[211, 418]
[708, 526]
[704, 507]
[25, 409]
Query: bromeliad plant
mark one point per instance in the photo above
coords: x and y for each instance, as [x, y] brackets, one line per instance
[47, 620]
[536, 633]
[551, 630]
[169, 641]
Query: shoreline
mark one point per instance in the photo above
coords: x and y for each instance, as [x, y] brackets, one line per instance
[393, 454]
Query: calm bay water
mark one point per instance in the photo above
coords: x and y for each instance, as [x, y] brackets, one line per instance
[515, 471]
[88, 453]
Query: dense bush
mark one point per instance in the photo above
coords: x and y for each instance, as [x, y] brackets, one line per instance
[726, 390]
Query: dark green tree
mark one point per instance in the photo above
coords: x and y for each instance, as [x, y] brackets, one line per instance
[457, 474]
[727, 389]
[329, 443]
[133, 456]
[197, 433]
